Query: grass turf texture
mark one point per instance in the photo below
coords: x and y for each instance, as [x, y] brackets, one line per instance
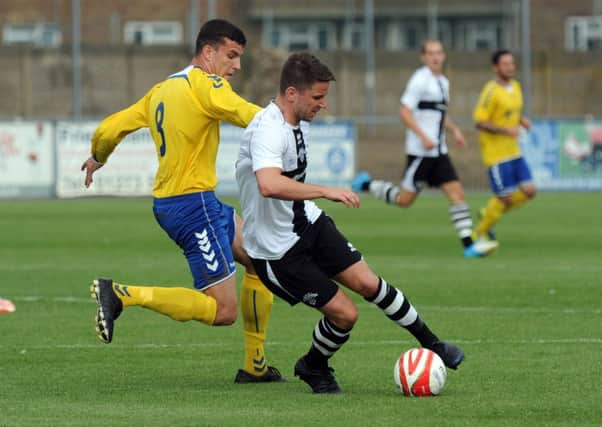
[528, 318]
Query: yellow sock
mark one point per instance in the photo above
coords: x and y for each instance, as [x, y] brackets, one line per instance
[181, 304]
[256, 305]
[493, 211]
[131, 295]
[517, 199]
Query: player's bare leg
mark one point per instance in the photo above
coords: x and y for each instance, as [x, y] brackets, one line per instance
[215, 306]
[406, 198]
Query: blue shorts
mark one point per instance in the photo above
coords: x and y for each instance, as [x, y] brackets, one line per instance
[506, 177]
[204, 228]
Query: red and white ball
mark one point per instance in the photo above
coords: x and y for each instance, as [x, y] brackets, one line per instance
[419, 372]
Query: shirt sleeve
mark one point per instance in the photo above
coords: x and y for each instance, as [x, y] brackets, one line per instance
[267, 148]
[222, 103]
[412, 93]
[485, 105]
[111, 131]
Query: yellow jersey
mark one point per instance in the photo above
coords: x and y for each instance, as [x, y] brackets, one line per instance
[183, 114]
[501, 106]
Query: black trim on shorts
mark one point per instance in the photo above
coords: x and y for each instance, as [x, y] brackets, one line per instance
[305, 271]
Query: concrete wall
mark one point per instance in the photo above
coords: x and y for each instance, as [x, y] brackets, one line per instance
[102, 20]
[36, 84]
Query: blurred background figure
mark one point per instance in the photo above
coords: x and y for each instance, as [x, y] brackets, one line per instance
[423, 110]
[499, 117]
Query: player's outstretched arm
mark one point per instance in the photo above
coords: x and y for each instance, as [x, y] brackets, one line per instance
[111, 131]
[90, 166]
[272, 183]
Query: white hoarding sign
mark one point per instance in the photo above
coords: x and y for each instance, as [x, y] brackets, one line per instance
[565, 154]
[130, 170]
[26, 159]
[331, 155]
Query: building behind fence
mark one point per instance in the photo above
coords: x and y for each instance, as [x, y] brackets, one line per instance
[127, 46]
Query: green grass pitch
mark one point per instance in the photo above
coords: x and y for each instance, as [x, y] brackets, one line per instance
[529, 319]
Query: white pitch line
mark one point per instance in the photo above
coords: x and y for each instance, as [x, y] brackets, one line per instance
[464, 309]
[543, 341]
[71, 299]
[510, 309]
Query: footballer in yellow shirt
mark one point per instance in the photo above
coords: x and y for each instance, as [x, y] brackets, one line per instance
[184, 113]
[498, 116]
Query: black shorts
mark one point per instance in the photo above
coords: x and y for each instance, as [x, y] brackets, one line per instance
[431, 171]
[304, 273]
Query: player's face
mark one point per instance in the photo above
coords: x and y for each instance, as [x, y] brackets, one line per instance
[311, 100]
[505, 67]
[225, 59]
[433, 56]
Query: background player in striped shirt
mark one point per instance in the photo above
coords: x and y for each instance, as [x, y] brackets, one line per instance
[295, 247]
[498, 116]
[423, 109]
[184, 113]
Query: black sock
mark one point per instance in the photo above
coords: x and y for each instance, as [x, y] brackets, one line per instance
[422, 333]
[326, 340]
[315, 359]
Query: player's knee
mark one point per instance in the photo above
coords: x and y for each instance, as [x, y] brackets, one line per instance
[530, 192]
[226, 315]
[353, 317]
[225, 319]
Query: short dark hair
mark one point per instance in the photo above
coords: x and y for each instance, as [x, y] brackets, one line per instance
[495, 58]
[301, 70]
[214, 31]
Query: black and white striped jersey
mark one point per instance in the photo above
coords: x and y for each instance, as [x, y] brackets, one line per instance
[272, 226]
[427, 95]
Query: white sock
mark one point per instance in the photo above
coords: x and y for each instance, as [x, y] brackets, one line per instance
[386, 191]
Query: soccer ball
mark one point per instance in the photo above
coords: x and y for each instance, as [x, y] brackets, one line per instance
[419, 372]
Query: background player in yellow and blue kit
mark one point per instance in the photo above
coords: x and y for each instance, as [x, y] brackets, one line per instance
[184, 113]
[498, 116]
